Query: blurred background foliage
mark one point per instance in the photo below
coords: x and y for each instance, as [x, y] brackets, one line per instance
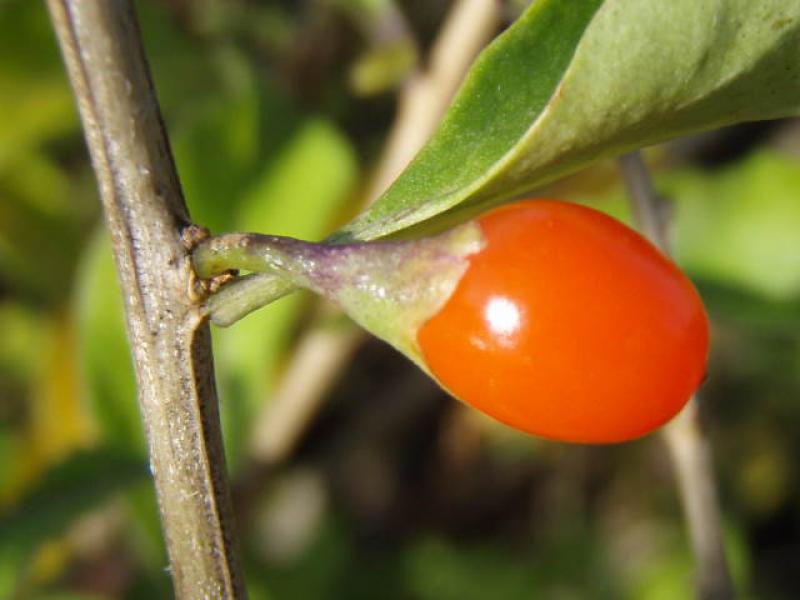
[277, 112]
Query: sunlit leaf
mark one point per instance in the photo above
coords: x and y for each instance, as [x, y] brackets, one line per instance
[225, 118]
[573, 81]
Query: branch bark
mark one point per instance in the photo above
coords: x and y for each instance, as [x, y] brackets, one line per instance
[685, 437]
[170, 342]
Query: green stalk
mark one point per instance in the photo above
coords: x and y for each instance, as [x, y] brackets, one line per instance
[389, 287]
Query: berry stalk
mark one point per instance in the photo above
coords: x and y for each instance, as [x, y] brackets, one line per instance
[391, 288]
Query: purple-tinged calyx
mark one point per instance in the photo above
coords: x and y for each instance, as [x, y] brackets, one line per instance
[390, 288]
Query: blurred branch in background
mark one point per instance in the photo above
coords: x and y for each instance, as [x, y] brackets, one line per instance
[685, 437]
[470, 25]
[322, 352]
[392, 53]
[170, 342]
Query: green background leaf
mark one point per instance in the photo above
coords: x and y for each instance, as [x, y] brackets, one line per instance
[742, 227]
[102, 347]
[79, 483]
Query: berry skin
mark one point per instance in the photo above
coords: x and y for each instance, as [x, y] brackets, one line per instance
[569, 325]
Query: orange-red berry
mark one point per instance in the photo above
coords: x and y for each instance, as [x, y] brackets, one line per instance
[569, 325]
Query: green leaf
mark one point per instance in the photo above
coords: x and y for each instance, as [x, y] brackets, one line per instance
[302, 190]
[36, 105]
[25, 333]
[41, 202]
[225, 116]
[570, 82]
[81, 482]
[103, 352]
[40, 224]
[741, 226]
[66, 595]
[224, 136]
[25, 339]
[144, 533]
